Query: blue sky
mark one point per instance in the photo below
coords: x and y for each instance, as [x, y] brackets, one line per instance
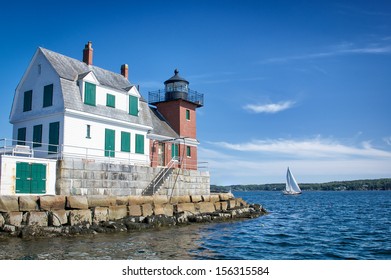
[304, 84]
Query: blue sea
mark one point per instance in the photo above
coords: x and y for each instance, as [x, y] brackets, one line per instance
[312, 226]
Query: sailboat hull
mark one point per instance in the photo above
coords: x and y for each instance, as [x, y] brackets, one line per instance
[291, 193]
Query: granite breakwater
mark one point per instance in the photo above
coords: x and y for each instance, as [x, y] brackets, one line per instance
[59, 215]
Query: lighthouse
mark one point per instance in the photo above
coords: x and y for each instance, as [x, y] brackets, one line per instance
[177, 103]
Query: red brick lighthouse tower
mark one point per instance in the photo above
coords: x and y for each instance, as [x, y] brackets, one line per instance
[177, 103]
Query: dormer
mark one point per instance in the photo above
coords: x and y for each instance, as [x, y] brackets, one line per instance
[87, 84]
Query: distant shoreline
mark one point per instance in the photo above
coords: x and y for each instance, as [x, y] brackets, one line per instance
[383, 184]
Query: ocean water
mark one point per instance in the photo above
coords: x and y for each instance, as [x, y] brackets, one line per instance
[314, 225]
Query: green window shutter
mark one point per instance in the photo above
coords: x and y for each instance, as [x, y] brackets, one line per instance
[54, 136]
[188, 151]
[90, 94]
[187, 114]
[110, 100]
[21, 136]
[133, 105]
[22, 177]
[125, 141]
[28, 100]
[37, 135]
[139, 144]
[48, 95]
[38, 178]
[109, 143]
[174, 150]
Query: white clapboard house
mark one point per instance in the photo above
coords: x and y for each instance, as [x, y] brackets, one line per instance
[64, 107]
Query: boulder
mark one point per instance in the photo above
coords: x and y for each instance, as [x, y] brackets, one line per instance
[225, 196]
[2, 220]
[146, 209]
[101, 200]
[160, 199]
[122, 200]
[14, 218]
[58, 218]
[214, 198]
[186, 207]
[134, 210]
[195, 198]
[164, 209]
[78, 217]
[100, 214]
[117, 212]
[180, 199]
[52, 202]
[139, 200]
[37, 218]
[231, 203]
[28, 203]
[206, 198]
[221, 206]
[77, 202]
[9, 203]
[205, 207]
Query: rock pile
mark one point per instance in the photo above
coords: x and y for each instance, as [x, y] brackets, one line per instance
[58, 215]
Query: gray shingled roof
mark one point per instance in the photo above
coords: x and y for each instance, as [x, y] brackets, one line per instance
[70, 70]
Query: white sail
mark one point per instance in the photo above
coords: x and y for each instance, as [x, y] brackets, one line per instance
[291, 186]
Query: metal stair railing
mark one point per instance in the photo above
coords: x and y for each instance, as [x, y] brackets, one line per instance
[157, 180]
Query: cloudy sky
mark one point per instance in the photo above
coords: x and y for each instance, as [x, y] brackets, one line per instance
[304, 84]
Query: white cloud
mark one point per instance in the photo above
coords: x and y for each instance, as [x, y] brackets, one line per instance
[313, 160]
[342, 49]
[315, 147]
[387, 140]
[270, 108]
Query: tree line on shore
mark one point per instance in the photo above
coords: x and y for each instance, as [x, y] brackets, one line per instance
[355, 185]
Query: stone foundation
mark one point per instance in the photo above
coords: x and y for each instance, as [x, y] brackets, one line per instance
[67, 215]
[83, 177]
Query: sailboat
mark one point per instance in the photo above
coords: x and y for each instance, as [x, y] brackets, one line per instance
[291, 186]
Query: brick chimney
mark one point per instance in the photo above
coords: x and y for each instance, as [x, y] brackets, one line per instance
[87, 53]
[125, 70]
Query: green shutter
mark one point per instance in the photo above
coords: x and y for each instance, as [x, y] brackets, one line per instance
[188, 151]
[133, 105]
[22, 177]
[54, 136]
[37, 135]
[187, 114]
[109, 143]
[30, 177]
[110, 100]
[21, 136]
[28, 100]
[90, 94]
[174, 150]
[48, 95]
[139, 144]
[38, 178]
[125, 141]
